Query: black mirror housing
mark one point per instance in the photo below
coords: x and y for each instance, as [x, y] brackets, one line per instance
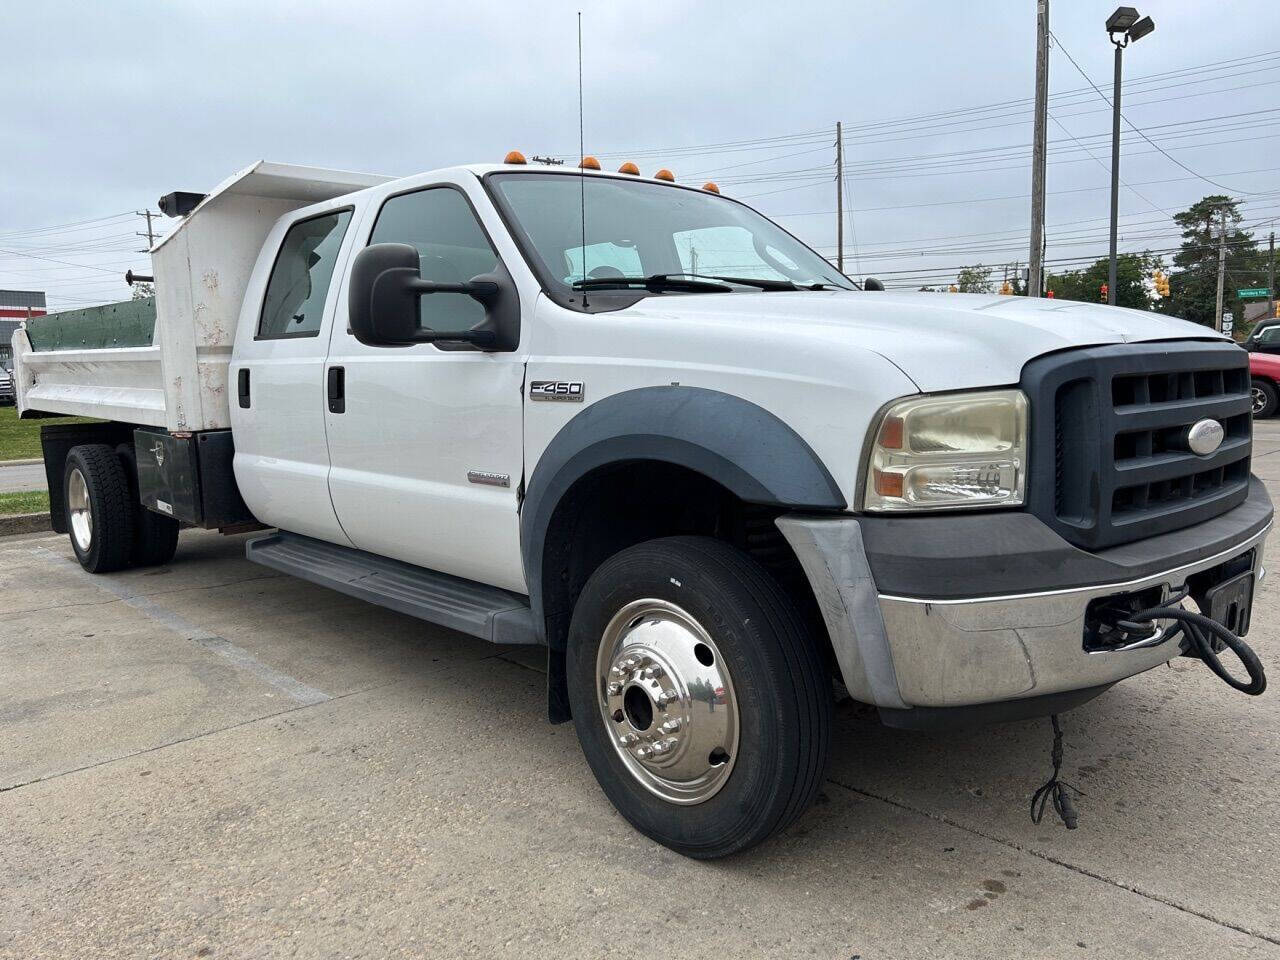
[382, 302]
[381, 309]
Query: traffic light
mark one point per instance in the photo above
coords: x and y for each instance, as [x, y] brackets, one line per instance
[953, 289]
[1049, 294]
[1161, 282]
[1102, 293]
[1006, 289]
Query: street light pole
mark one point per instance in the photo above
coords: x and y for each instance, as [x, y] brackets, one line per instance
[1115, 174]
[1129, 28]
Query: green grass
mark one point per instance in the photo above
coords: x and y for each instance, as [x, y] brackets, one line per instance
[32, 501]
[20, 439]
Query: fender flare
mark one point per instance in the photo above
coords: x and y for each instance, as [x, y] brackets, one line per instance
[735, 442]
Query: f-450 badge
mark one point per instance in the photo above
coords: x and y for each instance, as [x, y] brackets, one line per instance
[567, 391]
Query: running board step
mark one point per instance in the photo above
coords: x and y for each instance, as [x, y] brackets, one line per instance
[463, 605]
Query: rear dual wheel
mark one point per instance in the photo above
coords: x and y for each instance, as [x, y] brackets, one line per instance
[701, 703]
[109, 528]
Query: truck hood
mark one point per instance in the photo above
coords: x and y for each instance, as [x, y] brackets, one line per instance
[941, 341]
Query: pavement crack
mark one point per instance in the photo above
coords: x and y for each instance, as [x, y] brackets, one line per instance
[196, 736]
[1056, 861]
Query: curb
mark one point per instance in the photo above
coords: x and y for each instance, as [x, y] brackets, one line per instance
[24, 523]
[21, 463]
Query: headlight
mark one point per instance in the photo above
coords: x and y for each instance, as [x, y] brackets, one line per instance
[950, 450]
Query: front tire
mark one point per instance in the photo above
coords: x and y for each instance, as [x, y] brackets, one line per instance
[701, 703]
[99, 512]
[1265, 398]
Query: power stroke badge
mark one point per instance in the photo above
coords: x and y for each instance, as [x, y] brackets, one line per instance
[566, 391]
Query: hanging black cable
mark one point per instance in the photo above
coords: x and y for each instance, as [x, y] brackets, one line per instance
[1056, 788]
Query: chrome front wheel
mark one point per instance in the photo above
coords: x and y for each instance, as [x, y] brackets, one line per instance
[667, 701]
[700, 701]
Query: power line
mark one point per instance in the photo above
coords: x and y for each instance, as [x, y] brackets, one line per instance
[1134, 127]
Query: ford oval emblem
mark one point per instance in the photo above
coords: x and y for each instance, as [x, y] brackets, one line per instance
[1205, 436]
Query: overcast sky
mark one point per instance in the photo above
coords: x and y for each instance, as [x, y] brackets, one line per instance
[106, 107]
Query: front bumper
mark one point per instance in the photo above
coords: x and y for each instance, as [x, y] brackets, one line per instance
[913, 628]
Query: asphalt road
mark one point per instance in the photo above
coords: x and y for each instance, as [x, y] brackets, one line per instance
[16, 477]
[210, 760]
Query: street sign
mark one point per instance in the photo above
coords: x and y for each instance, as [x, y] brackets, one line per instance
[1228, 322]
[1253, 293]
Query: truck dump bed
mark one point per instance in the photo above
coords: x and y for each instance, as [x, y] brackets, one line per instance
[163, 362]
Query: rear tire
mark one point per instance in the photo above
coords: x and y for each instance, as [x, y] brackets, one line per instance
[155, 536]
[686, 644]
[99, 516]
[1265, 398]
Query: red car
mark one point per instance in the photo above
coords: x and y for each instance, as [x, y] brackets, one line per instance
[1264, 370]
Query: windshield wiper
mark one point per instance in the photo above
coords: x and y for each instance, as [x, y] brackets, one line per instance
[743, 281]
[658, 281]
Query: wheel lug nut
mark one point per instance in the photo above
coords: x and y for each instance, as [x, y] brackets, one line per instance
[629, 739]
[663, 747]
[652, 673]
[615, 688]
[668, 696]
[644, 752]
[670, 726]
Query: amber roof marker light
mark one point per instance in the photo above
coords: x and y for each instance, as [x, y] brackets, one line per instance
[515, 156]
[589, 163]
[665, 174]
[710, 187]
[630, 169]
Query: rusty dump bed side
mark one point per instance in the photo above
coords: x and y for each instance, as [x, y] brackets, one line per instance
[163, 363]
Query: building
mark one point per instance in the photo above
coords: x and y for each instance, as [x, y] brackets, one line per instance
[15, 307]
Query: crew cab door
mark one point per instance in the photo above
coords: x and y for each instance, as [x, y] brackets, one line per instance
[277, 375]
[426, 441]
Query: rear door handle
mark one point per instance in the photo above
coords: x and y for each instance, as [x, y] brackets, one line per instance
[242, 386]
[337, 390]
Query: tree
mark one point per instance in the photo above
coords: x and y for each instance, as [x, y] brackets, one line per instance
[1193, 284]
[975, 279]
[1132, 271]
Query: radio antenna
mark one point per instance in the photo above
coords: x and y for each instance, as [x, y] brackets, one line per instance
[582, 173]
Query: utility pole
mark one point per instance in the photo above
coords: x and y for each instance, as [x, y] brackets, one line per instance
[1271, 276]
[1038, 149]
[150, 234]
[839, 198]
[1222, 270]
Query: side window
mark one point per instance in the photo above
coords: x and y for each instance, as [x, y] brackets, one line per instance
[452, 248]
[1269, 335]
[299, 284]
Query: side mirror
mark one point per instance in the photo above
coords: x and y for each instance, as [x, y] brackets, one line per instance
[383, 301]
[871, 283]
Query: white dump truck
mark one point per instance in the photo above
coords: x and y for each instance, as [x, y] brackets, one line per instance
[640, 424]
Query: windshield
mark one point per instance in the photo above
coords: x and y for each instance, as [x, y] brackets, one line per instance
[636, 229]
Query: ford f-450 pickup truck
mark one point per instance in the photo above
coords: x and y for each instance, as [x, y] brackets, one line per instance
[640, 424]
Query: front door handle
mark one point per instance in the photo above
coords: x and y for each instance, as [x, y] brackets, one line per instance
[242, 386]
[337, 390]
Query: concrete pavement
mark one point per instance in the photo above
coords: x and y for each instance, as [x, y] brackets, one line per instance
[211, 760]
